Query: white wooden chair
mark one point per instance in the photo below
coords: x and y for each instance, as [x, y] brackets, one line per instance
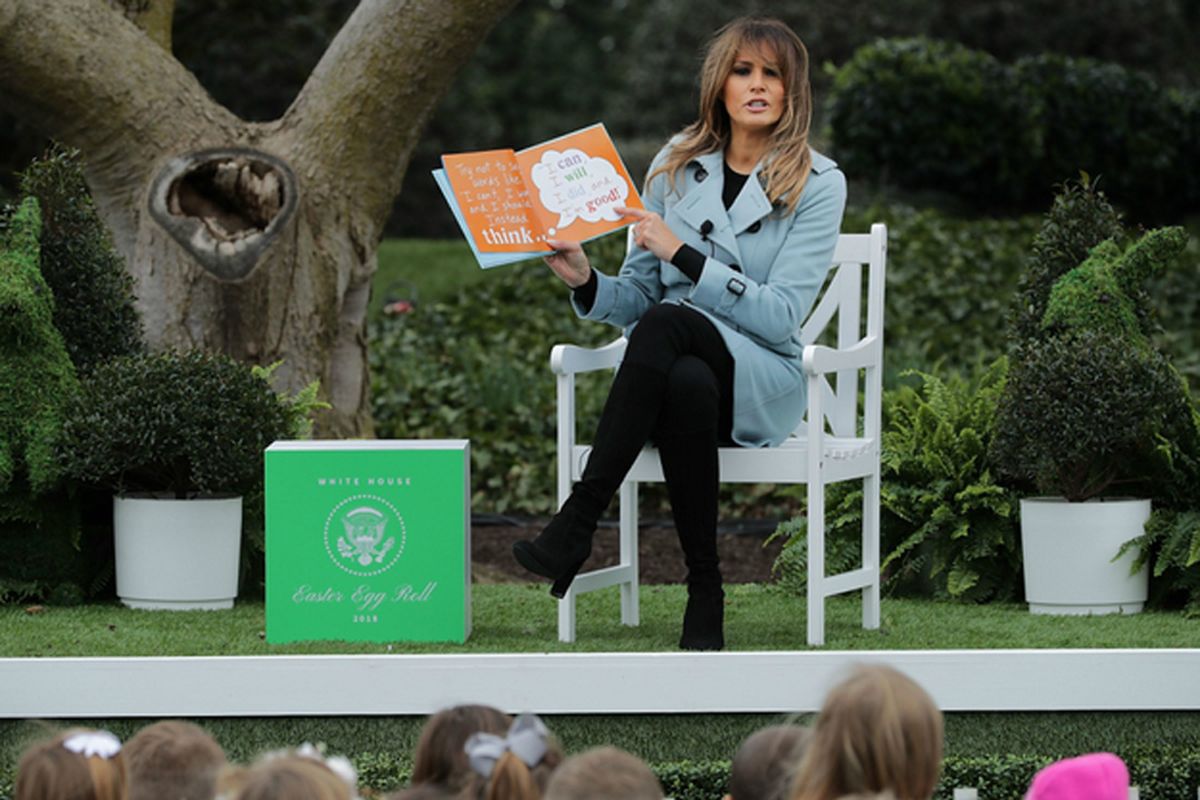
[848, 450]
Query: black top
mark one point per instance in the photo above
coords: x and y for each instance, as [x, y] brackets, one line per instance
[687, 259]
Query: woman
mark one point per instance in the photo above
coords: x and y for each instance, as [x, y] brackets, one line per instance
[738, 233]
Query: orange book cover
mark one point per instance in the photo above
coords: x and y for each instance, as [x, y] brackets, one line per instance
[510, 202]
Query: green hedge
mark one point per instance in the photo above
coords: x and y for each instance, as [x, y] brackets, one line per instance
[693, 750]
[949, 286]
[936, 115]
[1000, 777]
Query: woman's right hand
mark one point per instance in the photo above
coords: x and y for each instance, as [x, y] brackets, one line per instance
[569, 262]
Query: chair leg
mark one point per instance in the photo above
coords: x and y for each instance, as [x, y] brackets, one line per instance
[870, 550]
[816, 562]
[630, 614]
[566, 617]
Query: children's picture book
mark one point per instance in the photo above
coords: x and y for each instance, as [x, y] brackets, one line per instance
[508, 203]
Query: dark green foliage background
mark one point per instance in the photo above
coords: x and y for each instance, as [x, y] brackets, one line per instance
[552, 65]
[936, 115]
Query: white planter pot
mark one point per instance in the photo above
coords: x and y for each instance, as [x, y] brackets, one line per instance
[177, 554]
[1068, 550]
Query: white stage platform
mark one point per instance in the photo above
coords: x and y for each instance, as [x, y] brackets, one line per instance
[586, 683]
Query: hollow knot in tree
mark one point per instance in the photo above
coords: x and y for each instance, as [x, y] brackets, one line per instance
[225, 207]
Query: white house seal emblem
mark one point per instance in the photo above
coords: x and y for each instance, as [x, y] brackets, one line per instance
[364, 535]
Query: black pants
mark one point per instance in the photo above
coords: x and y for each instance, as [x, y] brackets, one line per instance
[675, 389]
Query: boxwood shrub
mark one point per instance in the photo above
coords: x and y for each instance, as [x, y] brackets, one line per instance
[185, 423]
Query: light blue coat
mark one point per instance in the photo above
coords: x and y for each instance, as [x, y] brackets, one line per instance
[759, 309]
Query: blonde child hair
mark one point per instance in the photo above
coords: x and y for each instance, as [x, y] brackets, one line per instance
[604, 773]
[515, 766]
[173, 759]
[80, 764]
[287, 777]
[878, 731]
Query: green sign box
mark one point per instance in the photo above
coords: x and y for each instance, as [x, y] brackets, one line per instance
[368, 541]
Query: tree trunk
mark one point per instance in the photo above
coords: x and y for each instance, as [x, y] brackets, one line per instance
[255, 239]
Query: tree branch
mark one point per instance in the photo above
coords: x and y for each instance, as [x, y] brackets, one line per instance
[84, 74]
[153, 17]
[360, 113]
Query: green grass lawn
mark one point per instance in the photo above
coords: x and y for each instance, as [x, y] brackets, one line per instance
[522, 618]
[430, 269]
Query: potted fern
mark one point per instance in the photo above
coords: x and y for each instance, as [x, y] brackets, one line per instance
[179, 439]
[1092, 415]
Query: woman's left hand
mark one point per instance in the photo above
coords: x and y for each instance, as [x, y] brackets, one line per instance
[651, 233]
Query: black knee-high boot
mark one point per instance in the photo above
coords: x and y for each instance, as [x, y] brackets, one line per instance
[629, 416]
[690, 466]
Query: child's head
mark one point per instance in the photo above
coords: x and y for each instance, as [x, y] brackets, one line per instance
[878, 731]
[1095, 776]
[766, 762]
[77, 765]
[515, 766]
[422, 791]
[439, 757]
[287, 777]
[603, 773]
[173, 759]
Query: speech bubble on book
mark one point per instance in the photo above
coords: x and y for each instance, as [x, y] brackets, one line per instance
[575, 185]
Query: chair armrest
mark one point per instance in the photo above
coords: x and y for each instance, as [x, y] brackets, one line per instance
[819, 359]
[567, 359]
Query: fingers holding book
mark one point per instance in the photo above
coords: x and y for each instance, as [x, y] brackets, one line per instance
[568, 262]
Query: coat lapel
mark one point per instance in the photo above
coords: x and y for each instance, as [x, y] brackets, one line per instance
[703, 204]
[751, 204]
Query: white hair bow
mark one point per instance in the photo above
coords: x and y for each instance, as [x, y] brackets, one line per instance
[89, 744]
[526, 740]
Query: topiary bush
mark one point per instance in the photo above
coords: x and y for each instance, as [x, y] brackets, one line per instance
[1082, 415]
[39, 526]
[186, 424]
[93, 292]
[1079, 219]
[36, 372]
[1090, 402]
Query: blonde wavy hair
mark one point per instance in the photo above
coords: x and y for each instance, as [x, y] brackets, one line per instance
[878, 731]
[789, 160]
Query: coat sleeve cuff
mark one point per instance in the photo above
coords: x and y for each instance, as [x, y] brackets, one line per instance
[603, 300]
[720, 287]
[584, 295]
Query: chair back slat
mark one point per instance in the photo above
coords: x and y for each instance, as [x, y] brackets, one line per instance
[855, 256]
